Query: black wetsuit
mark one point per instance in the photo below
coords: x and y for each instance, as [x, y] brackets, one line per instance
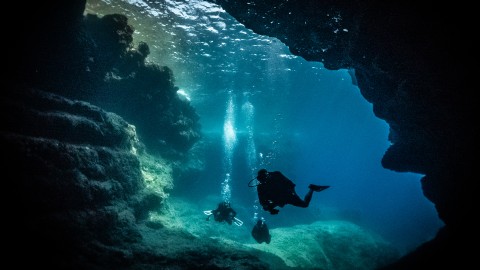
[278, 190]
[261, 233]
[224, 213]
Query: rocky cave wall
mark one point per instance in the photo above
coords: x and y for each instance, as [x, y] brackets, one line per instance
[411, 61]
[79, 188]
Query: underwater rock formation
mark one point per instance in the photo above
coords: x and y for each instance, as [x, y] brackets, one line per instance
[92, 58]
[411, 62]
[323, 240]
[82, 201]
[80, 197]
[408, 61]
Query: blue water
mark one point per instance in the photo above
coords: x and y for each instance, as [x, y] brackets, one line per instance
[328, 137]
[262, 107]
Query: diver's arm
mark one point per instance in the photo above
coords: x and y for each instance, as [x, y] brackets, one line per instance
[267, 206]
[262, 198]
[264, 201]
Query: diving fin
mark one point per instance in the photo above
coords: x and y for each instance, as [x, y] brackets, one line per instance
[237, 221]
[208, 212]
[317, 187]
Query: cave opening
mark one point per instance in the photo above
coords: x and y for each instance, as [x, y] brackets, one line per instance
[309, 122]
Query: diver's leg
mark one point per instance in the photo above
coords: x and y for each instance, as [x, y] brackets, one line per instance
[296, 201]
[308, 197]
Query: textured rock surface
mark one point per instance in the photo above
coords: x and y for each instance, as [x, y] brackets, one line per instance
[81, 203]
[412, 63]
[333, 244]
[329, 245]
[80, 197]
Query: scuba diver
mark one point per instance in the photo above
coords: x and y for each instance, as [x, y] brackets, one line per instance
[224, 212]
[274, 189]
[260, 232]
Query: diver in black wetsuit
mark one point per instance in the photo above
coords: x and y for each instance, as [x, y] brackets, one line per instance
[224, 212]
[261, 233]
[274, 189]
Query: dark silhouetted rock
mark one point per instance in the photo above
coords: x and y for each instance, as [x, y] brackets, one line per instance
[413, 64]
